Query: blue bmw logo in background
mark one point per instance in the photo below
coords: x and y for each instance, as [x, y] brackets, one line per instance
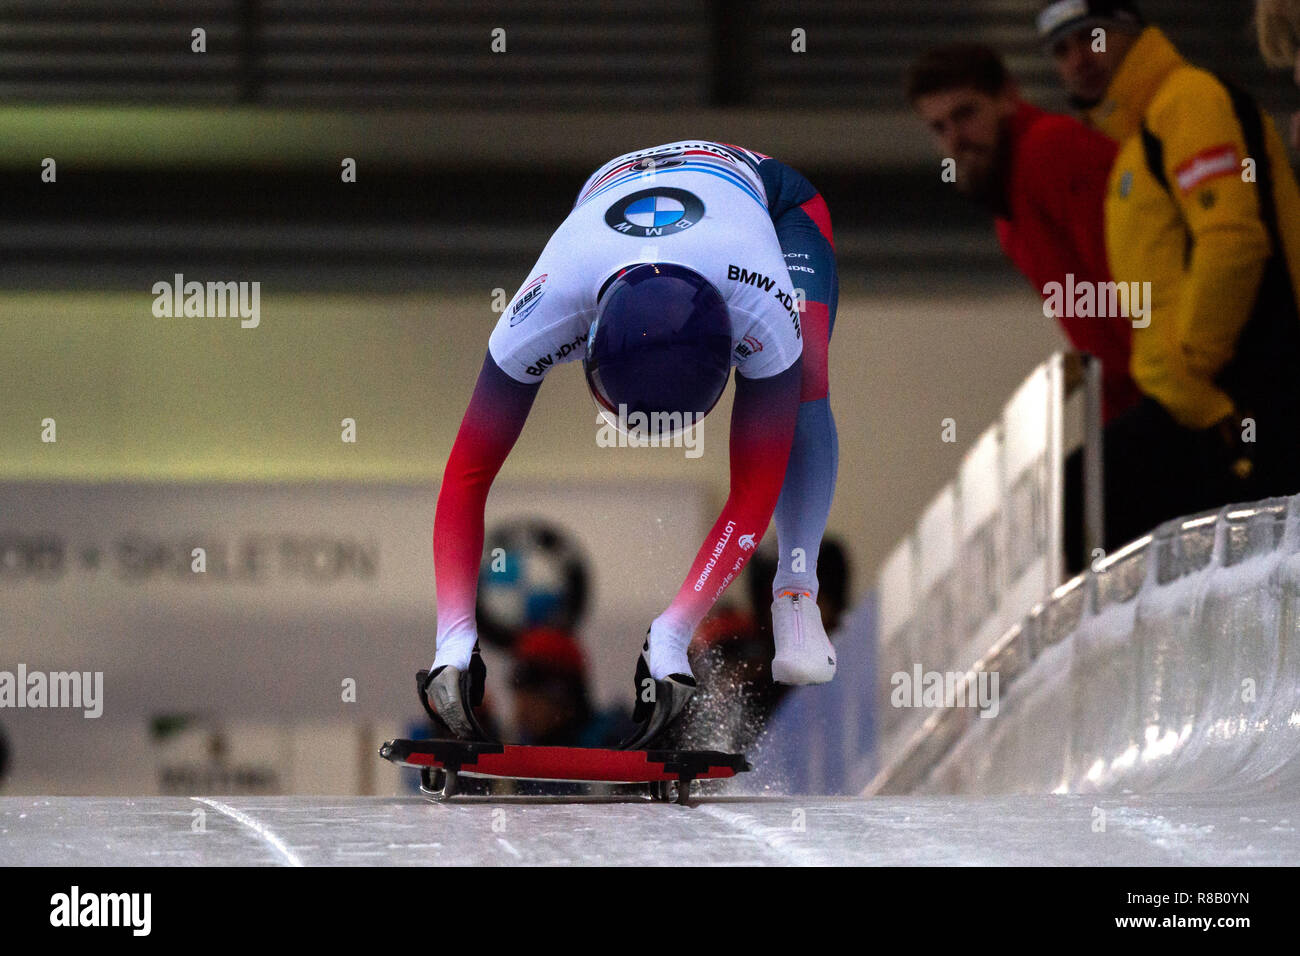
[655, 212]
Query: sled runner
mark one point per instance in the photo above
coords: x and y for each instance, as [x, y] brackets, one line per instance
[441, 762]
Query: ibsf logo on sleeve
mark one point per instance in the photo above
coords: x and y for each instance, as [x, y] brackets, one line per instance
[655, 212]
[527, 300]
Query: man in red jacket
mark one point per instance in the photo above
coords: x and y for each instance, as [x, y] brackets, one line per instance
[1042, 176]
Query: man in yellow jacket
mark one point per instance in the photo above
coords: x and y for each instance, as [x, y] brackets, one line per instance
[1203, 205]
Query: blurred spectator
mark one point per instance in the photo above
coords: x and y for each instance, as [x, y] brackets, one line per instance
[1042, 176]
[1278, 25]
[552, 703]
[1204, 212]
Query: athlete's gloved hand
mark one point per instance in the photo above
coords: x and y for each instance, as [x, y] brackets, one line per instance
[667, 641]
[659, 700]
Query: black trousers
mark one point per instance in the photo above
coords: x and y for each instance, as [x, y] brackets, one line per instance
[1155, 470]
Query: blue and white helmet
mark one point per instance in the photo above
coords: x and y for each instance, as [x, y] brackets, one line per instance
[660, 344]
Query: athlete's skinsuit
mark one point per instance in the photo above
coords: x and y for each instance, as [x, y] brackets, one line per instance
[738, 218]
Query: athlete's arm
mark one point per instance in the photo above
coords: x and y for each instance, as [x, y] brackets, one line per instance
[763, 419]
[495, 417]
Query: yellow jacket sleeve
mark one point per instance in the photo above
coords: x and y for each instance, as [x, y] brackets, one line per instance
[1203, 152]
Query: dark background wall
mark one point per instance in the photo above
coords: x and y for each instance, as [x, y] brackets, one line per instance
[229, 159]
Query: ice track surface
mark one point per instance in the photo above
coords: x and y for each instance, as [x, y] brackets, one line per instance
[1148, 830]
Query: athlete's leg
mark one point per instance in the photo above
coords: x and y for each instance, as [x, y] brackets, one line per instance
[805, 503]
